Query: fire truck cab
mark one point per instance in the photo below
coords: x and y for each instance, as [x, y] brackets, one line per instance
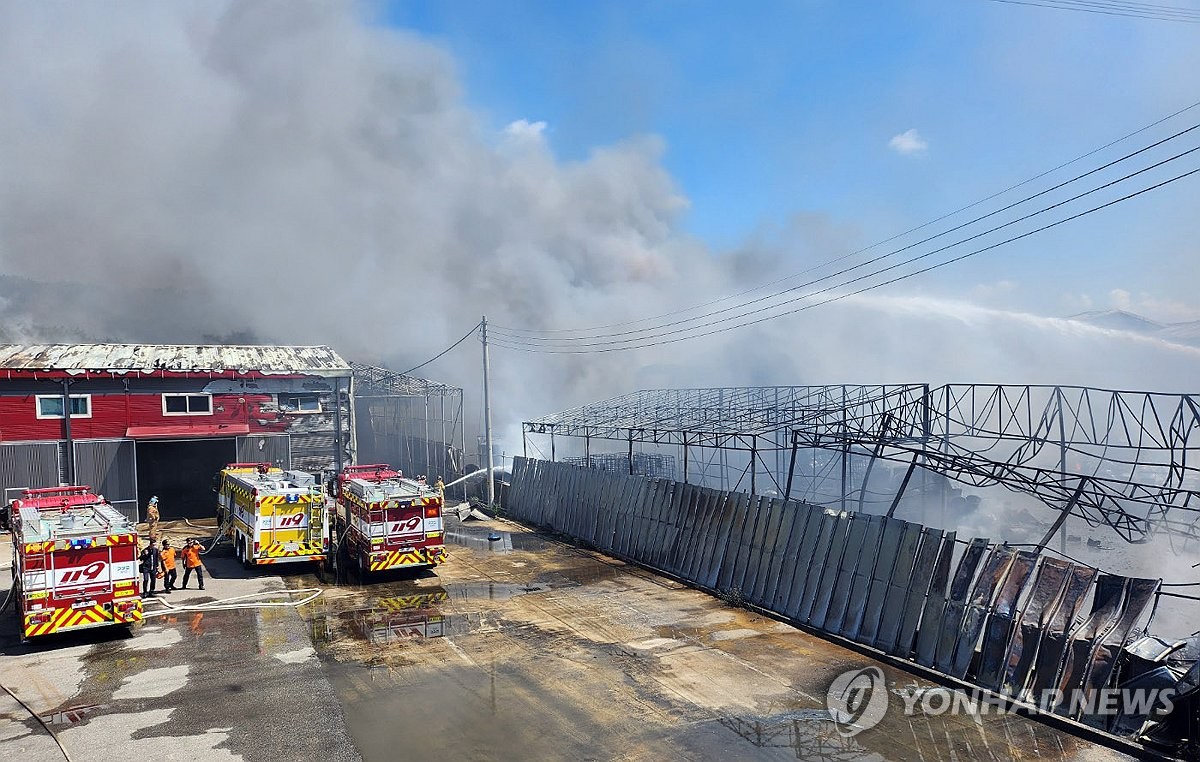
[386, 521]
[74, 562]
[271, 515]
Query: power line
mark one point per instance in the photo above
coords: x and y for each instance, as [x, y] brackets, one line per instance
[865, 249]
[467, 335]
[531, 348]
[613, 340]
[1121, 9]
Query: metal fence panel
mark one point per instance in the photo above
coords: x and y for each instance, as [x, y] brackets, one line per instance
[1048, 584]
[1106, 609]
[718, 551]
[1048, 662]
[829, 572]
[1002, 620]
[932, 614]
[770, 555]
[843, 583]
[991, 576]
[794, 516]
[956, 603]
[882, 572]
[1138, 594]
[864, 575]
[929, 544]
[818, 541]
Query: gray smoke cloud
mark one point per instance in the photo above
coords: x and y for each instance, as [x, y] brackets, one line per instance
[297, 172]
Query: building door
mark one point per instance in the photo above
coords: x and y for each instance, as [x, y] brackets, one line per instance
[25, 465]
[180, 473]
[275, 449]
[108, 466]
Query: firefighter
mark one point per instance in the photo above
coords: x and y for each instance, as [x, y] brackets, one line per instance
[168, 564]
[440, 486]
[149, 563]
[191, 562]
[152, 518]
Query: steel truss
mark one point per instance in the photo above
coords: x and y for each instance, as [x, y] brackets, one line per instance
[1124, 459]
[411, 423]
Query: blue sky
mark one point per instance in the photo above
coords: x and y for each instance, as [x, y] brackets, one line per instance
[783, 108]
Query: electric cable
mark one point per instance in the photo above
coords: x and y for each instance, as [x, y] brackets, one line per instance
[630, 344]
[466, 336]
[1121, 9]
[882, 256]
[844, 257]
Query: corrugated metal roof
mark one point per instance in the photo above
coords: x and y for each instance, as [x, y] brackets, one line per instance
[180, 358]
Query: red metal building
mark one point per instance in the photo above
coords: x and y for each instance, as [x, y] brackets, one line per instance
[162, 419]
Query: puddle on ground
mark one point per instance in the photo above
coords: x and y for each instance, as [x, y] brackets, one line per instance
[73, 714]
[488, 539]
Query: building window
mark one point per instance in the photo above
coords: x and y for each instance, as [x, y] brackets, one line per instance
[187, 404]
[51, 406]
[300, 403]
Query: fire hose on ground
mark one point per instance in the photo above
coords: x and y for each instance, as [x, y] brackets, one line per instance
[238, 602]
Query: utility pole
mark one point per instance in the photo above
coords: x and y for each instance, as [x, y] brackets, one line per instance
[487, 416]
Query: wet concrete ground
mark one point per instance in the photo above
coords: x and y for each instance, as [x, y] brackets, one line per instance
[527, 648]
[241, 684]
[520, 647]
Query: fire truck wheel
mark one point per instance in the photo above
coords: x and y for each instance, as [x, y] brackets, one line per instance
[362, 568]
[246, 556]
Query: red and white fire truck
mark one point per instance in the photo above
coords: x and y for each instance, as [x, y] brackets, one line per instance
[75, 562]
[386, 521]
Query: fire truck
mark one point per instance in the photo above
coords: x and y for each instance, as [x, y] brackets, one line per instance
[75, 562]
[272, 516]
[386, 521]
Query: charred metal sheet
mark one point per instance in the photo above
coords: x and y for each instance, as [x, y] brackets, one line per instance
[1031, 622]
[151, 358]
[1049, 660]
[1003, 619]
[818, 554]
[991, 577]
[925, 571]
[843, 582]
[886, 552]
[1138, 595]
[1132, 718]
[1106, 607]
[833, 561]
[956, 602]
[860, 584]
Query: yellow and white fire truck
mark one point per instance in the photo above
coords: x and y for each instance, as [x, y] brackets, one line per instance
[74, 562]
[271, 515]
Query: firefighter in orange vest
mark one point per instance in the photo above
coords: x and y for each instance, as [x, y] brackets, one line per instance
[168, 564]
[191, 562]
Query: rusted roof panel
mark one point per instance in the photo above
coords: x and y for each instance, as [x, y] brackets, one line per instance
[180, 358]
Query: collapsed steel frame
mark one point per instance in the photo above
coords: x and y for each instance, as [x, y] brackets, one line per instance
[1124, 459]
[414, 423]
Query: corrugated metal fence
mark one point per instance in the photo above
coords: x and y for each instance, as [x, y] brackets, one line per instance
[1005, 619]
